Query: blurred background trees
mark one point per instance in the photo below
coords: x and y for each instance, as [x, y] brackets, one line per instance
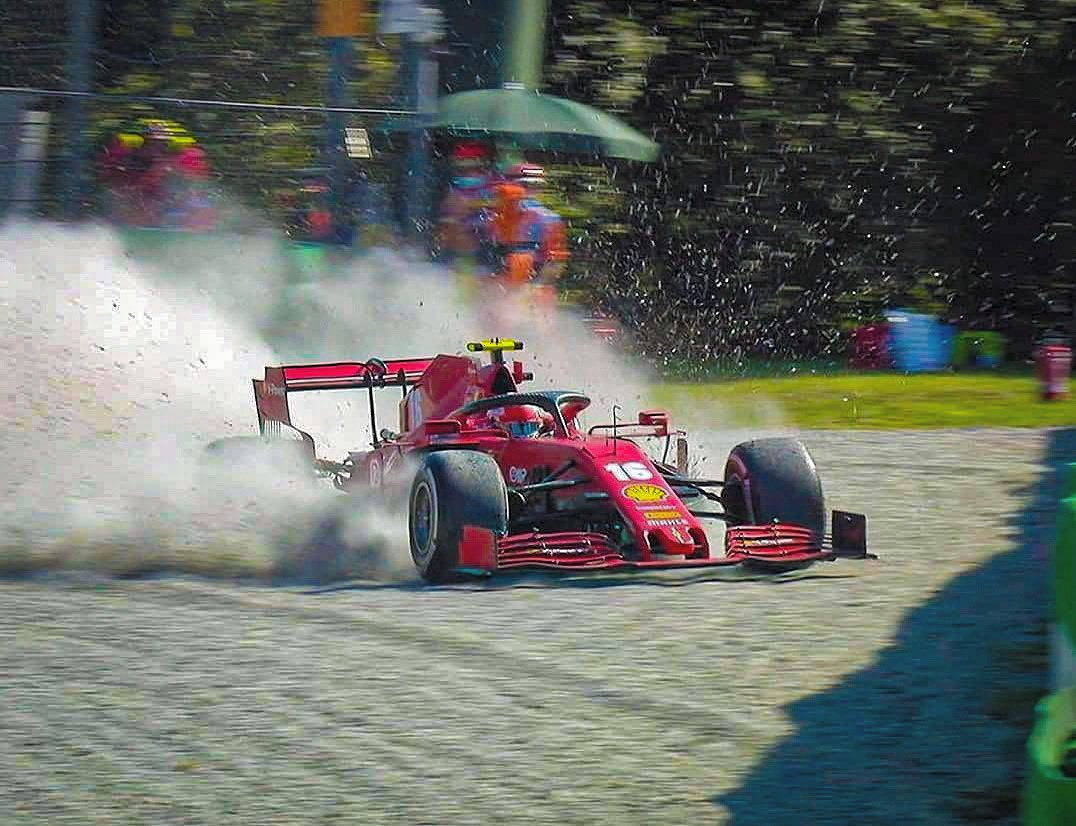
[825, 159]
[822, 159]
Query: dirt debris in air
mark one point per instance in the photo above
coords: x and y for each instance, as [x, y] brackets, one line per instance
[126, 372]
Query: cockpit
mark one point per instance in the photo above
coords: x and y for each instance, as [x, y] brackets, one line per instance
[550, 413]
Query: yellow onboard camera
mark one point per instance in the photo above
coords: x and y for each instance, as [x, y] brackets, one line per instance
[496, 347]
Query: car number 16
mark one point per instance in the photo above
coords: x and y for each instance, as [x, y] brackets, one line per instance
[629, 471]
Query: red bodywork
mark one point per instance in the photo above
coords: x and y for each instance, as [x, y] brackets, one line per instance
[639, 520]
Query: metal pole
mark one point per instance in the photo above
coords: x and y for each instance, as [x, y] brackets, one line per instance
[340, 60]
[10, 113]
[412, 55]
[423, 75]
[31, 148]
[421, 25]
[83, 16]
[526, 42]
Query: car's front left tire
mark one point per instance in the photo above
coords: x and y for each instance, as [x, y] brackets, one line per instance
[453, 489]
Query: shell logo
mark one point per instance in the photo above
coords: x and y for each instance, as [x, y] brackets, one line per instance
[645, 493]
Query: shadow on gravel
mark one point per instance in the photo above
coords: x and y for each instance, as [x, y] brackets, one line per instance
[535, 580]
[934, 731]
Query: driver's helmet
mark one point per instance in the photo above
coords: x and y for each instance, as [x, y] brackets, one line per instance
[522, 421]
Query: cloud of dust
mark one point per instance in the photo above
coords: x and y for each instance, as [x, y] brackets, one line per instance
[389, 304]
[127, 365]
[120, 380]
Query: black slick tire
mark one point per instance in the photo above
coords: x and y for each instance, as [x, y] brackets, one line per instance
[451, 489]
[774, 479]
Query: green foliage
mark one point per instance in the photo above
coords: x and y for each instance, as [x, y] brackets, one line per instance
[812, 150]
[821, 160]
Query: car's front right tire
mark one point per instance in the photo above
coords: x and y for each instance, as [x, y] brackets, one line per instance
[769, 480]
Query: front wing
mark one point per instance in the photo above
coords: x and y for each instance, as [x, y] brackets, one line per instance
[777, 547]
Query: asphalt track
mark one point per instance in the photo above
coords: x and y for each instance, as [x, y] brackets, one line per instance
[862, 692]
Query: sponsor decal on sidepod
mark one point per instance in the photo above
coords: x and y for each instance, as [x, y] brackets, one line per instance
[657, 515]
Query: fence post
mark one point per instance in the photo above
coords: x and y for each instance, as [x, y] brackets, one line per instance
[83, 17]
[422, 71]
[340, 58]
[30, 160]
[10, 114]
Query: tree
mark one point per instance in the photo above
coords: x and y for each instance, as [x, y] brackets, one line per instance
[806, 158]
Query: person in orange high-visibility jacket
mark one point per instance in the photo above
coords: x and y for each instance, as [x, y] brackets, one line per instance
[547, 228]
[530, 238]
[512, 230]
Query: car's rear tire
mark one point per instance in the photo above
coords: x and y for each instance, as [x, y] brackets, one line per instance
[451, 489]
[773, 479]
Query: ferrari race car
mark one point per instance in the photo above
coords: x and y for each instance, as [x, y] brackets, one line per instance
[499, 478]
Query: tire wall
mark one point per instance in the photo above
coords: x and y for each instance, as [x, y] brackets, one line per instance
[1050, 793]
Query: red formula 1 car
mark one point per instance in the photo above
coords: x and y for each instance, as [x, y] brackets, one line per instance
[501, 479]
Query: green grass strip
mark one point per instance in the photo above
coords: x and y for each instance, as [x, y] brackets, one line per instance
[888, 401]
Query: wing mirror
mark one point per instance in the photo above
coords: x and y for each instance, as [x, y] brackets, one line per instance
[657, 419]
[519, 375]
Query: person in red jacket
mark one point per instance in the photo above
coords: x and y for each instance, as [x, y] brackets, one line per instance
[157, 167]
[116, 171]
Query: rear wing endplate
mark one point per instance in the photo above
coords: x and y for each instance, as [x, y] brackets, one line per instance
[271, 392]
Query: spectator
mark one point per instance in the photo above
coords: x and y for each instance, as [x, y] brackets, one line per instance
[157, 176]
[461, 223]
[545, 228]
[530, 238]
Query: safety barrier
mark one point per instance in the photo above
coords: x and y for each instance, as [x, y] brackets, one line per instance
[1064, 585]
[1050, 788]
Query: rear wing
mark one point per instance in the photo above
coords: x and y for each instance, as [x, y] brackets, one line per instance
[271, 393]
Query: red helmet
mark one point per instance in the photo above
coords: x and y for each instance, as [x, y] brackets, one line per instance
[470, 152]
[523, 421]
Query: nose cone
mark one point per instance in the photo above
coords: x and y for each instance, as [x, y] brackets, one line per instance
[675, 540]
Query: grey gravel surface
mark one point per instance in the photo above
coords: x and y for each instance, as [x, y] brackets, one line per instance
[859, 694]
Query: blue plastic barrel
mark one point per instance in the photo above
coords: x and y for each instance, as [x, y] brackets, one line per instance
[918, 342]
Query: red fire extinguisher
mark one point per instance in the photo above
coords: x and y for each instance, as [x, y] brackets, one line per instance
[1053, 365]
